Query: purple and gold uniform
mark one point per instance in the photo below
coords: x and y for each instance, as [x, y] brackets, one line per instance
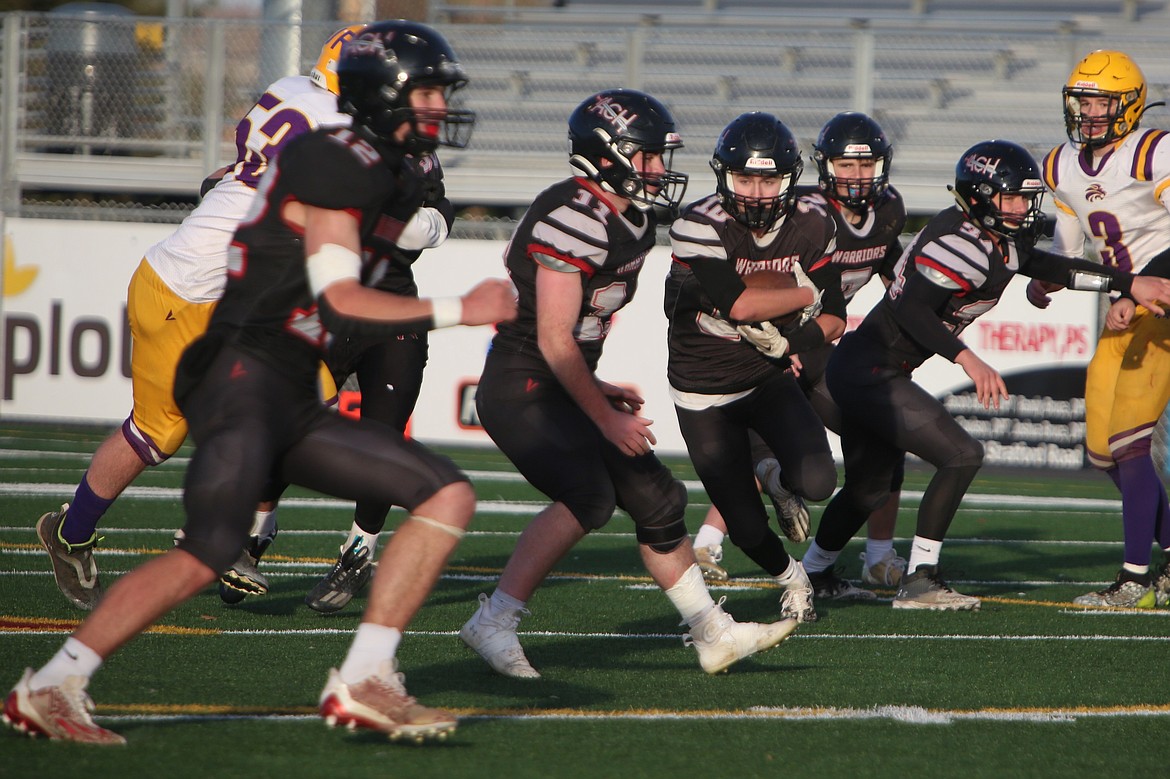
[1121, 203]
[249, 386]
[176, 286]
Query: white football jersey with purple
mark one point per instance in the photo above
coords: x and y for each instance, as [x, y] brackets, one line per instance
[1121, 202]
[192, 259]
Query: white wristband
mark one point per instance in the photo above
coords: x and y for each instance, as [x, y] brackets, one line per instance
[446, 312]
[331, 263]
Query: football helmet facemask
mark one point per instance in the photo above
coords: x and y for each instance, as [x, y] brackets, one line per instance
[1109, 74]
[606, 132]
[756, 144]
[324, 73]
[853, 135]
[376, 72]
[993, 168]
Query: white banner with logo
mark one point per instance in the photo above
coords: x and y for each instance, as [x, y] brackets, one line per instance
[65, 345]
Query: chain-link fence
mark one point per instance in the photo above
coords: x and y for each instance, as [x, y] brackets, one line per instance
[133, 110]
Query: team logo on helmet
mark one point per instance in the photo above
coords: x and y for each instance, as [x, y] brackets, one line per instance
[614, 114]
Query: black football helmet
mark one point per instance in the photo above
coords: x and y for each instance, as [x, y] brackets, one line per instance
[756, 144]
[993, 168]
[853, 135]
[379, 67]
[615, 125]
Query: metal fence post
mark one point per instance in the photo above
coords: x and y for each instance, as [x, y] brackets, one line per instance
[863, 67]
[9, 121]
[213, 99]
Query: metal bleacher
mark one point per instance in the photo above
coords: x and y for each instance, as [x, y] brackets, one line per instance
[939, 75]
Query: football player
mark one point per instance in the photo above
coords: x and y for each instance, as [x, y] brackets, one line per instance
[389, 372]
[248, 389]
[1111, 186]
[853, 158]
[170, 300]
[725, 381]
[575, 258]
[954, 270]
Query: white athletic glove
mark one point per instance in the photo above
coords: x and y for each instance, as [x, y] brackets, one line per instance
[813, 309]
[766, 338]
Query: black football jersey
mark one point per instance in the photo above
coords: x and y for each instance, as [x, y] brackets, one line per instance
[571, 223]
[865, 249]
[267, 300]
[957, 256]
[706, 353]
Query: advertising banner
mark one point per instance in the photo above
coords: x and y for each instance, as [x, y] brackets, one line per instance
[65, 344]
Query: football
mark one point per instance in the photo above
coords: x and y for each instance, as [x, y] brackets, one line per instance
[773, 279]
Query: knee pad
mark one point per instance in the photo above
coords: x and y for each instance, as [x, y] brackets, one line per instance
[665, 529]
[663, 538]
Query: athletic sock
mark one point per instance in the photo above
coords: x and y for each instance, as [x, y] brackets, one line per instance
[372, 644]
[876, 550]
[502, 603]
[709, 535]
[72, 659]
[816, 559]
[369, 540]
[923, 551]
[84, 514]
[1141, 495]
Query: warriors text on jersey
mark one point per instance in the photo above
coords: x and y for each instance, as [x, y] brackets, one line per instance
[706, 353]
[192, 259]
[269, 301]
[869, 248]
[955, 255]
[1122, 201]
[571, 224]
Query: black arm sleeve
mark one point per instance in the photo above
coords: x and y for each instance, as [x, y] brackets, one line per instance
[1159, 266]
[802, 338]
[718, 280]
[915, 310]
[355, 327]
[1058, 269]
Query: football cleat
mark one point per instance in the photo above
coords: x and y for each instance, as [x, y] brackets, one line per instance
[495, 640]
[74, 568]
[349, 575]
[827, 584]
[721, 641]
[380, 702]
[797, 600]
[708, 558]
[925, 589]
[244, 577]
[791, 512]
[1123, 593]
[1161, 585]
[62, 712]
[886, 572]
